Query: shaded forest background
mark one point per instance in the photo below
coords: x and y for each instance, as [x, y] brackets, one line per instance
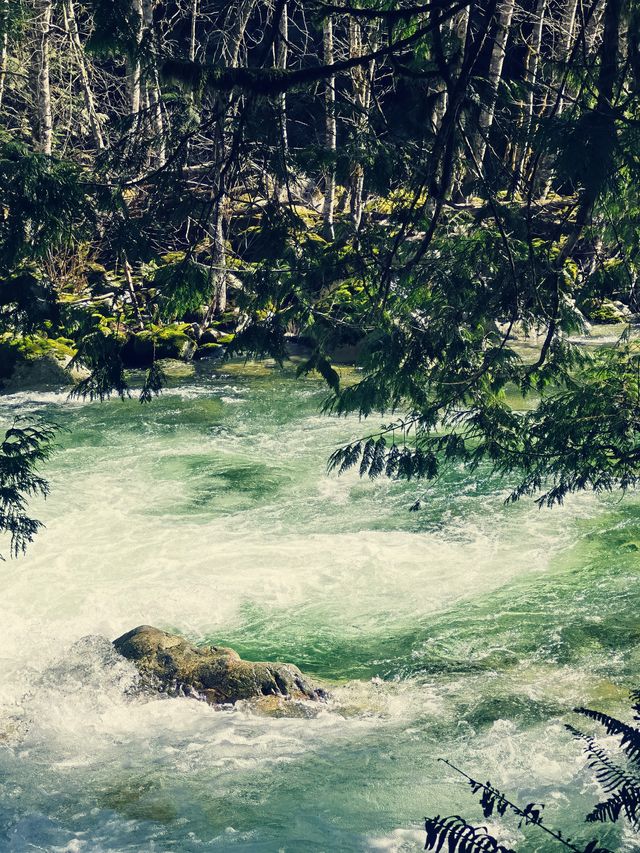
[416, 185]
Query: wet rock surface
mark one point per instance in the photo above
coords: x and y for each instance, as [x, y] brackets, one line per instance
[171, 664]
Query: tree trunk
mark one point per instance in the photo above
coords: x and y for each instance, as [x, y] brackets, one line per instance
[520, 153]
[330, 131]
[152, 86]
[235, 26]
[134, 69]
[43, 83]
[194, 23]
[132, 293]
[361, 82]
[567, 27]
[496, 62]
[4, 50]
[457, 26]
[89, 100]
[607, 76]
[558, 81]
[282, 52]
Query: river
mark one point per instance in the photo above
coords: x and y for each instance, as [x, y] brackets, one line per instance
[467, 630]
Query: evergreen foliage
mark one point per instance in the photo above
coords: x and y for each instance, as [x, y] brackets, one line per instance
[24, 447]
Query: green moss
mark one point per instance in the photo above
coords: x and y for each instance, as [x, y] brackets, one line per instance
[604, 312]
[36, 346]
[226, 339]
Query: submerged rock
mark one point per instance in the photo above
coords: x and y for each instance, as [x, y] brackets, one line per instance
[171, 664]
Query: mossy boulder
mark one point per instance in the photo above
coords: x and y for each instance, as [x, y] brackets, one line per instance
[176, 341]
[171, 664]
[36, 363]
[605, 311]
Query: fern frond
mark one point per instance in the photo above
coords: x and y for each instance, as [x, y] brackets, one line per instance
[460, 836]
[610, 775]
[625, 800]
[630, 736]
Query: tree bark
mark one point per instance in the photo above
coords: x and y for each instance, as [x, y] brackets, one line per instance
[4, 50]
[152, 85]
[607, 76]
[362, 83]
[134, 69]
[567, 27]
[132, 293]
[282, 53]
[330, 131]
[194, 23]
[43, 82]
[487, 112]
[235, 26]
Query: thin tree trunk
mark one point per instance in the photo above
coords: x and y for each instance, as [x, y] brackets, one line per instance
[134, 69]
[609, 54]
[594, 26]
[460, 27]
[89, 100]
[4, 50]
[567, 27]
[282, 52]
[362, 82]
[520, 154]
[153, 85]
[195, 4]
[330, 131]
[132, 292]
[43, 82]
[441, 97]
[194, 23]
[235, 26]
[558, 82]
[487, 113]
[456, 26]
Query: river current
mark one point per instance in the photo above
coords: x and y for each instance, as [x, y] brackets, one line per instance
[467, 631]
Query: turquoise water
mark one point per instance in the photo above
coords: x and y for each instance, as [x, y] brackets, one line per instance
[468, 630]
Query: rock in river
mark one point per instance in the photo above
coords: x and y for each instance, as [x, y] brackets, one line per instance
[172, 664]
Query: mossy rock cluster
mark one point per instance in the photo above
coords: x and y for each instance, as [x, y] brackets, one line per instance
[171, 664]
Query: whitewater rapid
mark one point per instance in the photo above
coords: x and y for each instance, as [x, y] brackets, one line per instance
[468, 631]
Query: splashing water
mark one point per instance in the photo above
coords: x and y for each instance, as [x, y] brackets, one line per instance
[467, 630]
